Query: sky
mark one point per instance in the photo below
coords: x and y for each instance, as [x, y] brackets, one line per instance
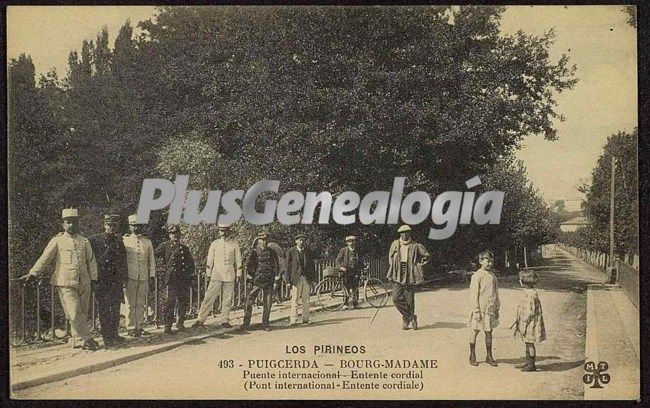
[597, 39]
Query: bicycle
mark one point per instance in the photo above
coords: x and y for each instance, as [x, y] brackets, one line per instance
[332, 292]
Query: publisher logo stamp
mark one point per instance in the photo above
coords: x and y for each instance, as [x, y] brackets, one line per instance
[596, 374]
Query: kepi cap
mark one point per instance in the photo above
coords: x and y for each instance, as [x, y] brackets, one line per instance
[350, 238]
[404, 228]
[69, 213]
[263, 234]
[223, 226]
[303, 236]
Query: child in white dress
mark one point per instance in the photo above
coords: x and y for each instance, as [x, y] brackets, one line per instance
[529, 325]
[484, 299]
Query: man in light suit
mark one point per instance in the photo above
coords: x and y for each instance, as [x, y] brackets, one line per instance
[141, 266]
[224, 266]
[75, 274]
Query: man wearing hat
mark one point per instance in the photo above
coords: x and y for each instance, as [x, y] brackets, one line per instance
[349, 262]
[300, 272]
[179, 266]
[112, 276]
[405, 260]
[75, 272]
[141, 266]
[263, 266]
[224, 267]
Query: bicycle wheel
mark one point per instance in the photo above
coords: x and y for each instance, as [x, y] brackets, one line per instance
[375, 292]
[331, 293]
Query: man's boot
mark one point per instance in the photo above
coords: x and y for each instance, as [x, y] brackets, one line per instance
[90, 344]
[530, 367]
[180, 326]
[414, 322]
[405, 324]
[527, 360]
[243, 329]
[168, 329]
[488, 349]
[472, 354]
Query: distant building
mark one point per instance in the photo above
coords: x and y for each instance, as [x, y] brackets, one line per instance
[573, 224]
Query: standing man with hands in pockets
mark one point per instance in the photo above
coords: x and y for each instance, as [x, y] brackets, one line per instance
[300, 272]
[112, 277]
[224, 266]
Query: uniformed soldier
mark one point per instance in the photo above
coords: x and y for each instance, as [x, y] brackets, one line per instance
[74, 275]
[112, 277]
[141, 266]
[263, 266]
[179, 266]
[224, 266]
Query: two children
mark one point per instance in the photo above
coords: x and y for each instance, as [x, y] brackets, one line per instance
[484, 298]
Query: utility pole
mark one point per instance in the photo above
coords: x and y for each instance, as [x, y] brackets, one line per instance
[611, 269]
[611, 210]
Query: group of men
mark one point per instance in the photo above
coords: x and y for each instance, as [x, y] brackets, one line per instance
[114, 267]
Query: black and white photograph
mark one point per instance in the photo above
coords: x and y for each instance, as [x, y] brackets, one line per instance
[325, 202]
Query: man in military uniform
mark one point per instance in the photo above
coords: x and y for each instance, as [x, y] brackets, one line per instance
[75, 273]
[263, 266]
[111, 278]
[179, 266]
[224, 266]
[349, 262]
[141, 266]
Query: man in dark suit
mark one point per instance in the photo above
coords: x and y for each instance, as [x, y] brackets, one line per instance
[112, 276]
[349, 262]
[263, 266]
[179, 266]
[300, 273]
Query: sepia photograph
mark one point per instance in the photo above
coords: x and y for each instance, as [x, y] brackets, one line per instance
[327, 202]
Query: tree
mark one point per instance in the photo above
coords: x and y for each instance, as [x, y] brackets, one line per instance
[319, 98]
[623, 147]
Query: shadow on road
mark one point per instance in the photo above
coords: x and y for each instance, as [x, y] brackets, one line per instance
[324, 322]
[561, 366]
[443, 325]
[520, 360]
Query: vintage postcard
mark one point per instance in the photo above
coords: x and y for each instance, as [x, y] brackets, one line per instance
[323, 202]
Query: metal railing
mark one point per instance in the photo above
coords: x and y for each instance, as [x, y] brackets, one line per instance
[627, 276]
[628, 279]
[42, 319]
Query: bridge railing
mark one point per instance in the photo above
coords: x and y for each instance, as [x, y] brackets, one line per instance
[37, 315]
[627, 269]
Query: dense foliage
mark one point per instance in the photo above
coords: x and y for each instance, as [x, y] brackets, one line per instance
[623, 147]
[321, 98]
